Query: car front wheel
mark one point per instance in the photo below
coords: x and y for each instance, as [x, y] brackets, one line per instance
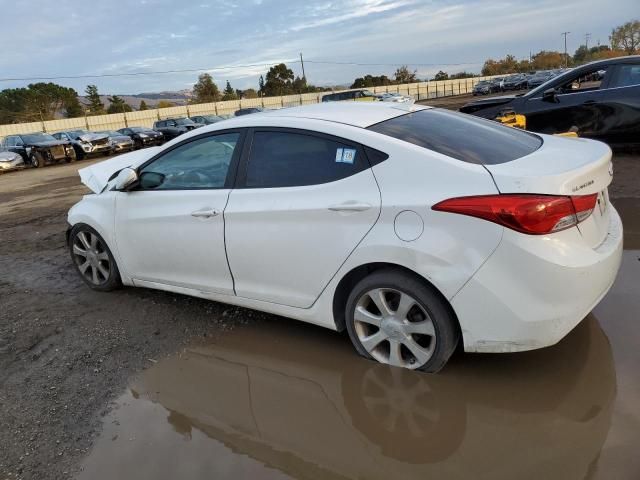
[93, 259]
[394, 318]
[36, 159]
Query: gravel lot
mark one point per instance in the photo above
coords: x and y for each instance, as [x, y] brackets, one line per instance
[66, 352]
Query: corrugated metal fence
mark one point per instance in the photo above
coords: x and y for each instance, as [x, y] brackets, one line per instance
[419, 91]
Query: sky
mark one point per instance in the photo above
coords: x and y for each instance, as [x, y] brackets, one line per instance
[237, 40]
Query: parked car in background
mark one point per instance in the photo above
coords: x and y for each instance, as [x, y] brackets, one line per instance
[248, 111]
[10, 160]
[38, 149]
[484, 87]
[119, 141]
[599, 100]
[383, 221]
[174, 127]
[393, 97]
[143, 136]
[515, 82]
[207, 119]
[350, 95]
[86, 143]
[539, 78]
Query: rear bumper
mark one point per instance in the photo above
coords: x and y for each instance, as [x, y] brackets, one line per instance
[534, 290]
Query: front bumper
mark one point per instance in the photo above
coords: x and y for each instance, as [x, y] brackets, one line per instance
[12, 164]
[534, 290]
[123, 146]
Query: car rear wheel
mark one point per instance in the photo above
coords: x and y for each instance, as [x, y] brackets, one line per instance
[394, 318]
[93, 259]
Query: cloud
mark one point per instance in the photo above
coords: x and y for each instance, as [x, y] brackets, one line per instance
[118, 36]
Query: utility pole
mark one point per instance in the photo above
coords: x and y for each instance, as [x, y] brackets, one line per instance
[304, 77]
[587, 36]
[565, 47]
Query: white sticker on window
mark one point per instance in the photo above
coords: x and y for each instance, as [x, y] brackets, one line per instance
[348, 155]
[339, 155]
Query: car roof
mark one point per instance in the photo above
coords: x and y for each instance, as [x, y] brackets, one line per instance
[357, 114]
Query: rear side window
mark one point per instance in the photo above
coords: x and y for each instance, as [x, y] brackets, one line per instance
[286, 159]
[460, 136]
[626, 76]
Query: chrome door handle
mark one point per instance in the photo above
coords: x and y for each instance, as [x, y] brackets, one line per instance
[350, 207]
[205, 213]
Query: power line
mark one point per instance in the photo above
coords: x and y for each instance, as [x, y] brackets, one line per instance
[565, 47]
[133, 74]
[229, 67]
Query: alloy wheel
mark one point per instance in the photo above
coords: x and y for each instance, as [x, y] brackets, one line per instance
[91, 257]
[394, 328]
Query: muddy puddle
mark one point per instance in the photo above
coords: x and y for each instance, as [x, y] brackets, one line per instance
[280, 399]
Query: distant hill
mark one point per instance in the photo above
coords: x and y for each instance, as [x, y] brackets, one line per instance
[151, 99]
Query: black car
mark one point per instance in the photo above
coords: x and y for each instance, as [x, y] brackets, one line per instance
[485, 87]
[515, 82]
[539, 78]
[142, 136]
[86, 143]
[173, 127]
[247, 111]
[207, 119]
[600, 100]
[37, 149]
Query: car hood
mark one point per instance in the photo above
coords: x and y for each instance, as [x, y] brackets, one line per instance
[98, 175]
[48, 143]
[487, 102]
[92, 137]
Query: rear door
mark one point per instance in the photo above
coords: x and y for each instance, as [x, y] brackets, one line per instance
[620, 106]
[576, 105]
[302, 204]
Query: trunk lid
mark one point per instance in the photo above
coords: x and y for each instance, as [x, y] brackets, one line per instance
[563, 166]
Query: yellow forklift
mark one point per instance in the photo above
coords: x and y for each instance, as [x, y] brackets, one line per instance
[516, 120]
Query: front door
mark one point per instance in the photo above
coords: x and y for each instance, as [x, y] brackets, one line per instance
[575, 106]
[302, 204]
[170, 230]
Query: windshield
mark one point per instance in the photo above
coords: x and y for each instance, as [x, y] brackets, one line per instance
[183, 121]
[111, 133]
[463, 137]
[140, 129]
[37, 137]
[77, 133]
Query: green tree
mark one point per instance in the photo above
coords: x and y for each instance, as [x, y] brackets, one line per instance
[626, 37]
[279, 81]
[72, 106]
[143, 106]
[441, 76]
[459, 75]
[229, 93]
[369, 81]
[249, 93]
[96, 107]
[404, 75]
[117, 105]
[205, 90]
[261, 85]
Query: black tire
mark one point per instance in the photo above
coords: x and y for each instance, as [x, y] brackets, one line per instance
[396, 282]
[100, 259]
[71, 158]
[37, 160]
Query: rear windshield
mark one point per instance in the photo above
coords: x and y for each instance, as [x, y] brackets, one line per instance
[464, 137]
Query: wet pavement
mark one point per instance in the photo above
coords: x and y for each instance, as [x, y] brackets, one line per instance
[281, 399]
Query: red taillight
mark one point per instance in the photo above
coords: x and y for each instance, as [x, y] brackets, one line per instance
[526, 213]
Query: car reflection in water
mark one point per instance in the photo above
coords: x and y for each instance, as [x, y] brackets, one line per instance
[285, 400]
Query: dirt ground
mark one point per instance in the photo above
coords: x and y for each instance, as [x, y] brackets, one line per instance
[67, 353]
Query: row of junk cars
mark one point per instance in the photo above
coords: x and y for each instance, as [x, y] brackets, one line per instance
[39, 149]
[516, 81]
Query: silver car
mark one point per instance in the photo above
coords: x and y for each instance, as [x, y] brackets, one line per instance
[10, 160]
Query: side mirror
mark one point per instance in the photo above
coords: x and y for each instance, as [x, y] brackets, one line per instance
[549, 95]
[151, 180]
[125, 179]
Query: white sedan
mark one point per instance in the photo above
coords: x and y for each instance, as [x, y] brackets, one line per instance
[412, 228]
